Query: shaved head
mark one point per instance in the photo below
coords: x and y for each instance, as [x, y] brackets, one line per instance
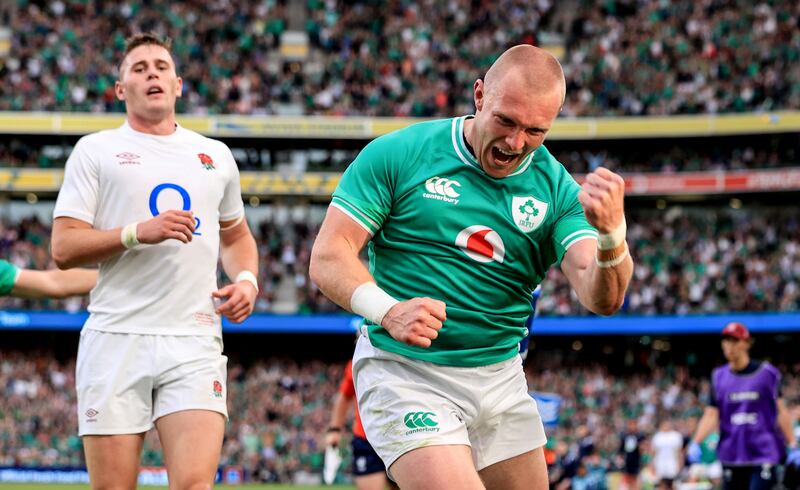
[534, 68]
[515, 106]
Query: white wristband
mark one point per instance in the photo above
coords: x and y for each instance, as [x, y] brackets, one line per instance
[371, 302]
[249, 277]
[610, 241]
[605, 264]
[128, 236]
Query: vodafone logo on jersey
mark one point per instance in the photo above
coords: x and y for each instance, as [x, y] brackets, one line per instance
[481, 243]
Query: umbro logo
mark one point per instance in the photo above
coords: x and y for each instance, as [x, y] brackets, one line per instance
[91, 415]
[128, 158]
[442, 189]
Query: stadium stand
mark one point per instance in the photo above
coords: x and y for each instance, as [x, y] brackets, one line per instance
[279, 406]
[367, 58]
[726, 259]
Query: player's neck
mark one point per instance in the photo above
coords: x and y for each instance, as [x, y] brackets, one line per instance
[469, 126]
[160, 127]
[739, 364]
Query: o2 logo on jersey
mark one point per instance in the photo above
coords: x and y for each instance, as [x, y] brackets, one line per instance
[187, 201]
[481, 243]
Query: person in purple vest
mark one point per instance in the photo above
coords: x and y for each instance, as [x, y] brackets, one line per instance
[755, 426]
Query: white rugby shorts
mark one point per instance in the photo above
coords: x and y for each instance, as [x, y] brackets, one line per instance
[125, 382]
[407, 404]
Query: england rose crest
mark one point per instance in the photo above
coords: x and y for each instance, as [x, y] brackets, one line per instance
[206, 161]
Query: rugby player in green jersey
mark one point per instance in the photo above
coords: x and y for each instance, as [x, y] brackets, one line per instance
[463, 218]
[52, 283]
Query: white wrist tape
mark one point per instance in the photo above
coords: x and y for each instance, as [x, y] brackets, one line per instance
[610, 241]
[371, 302]
[249, 277]
[128, 236]
[605, 264]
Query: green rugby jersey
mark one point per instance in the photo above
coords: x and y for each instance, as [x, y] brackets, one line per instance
[8, 277]
[442, 228]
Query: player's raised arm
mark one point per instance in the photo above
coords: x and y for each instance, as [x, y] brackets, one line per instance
[601, 270]
[337, 270]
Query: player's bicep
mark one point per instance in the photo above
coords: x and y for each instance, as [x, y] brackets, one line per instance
[341, 231]
[232, 230]
[63, 226]
[576, 261]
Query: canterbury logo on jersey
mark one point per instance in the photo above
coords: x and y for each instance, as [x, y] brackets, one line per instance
[442, 189]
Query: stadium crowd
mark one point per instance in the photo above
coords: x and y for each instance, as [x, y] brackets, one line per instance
[410, 58]
[279, 409]
[690, 259]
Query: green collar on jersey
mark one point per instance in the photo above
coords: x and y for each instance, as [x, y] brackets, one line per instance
[466, 156]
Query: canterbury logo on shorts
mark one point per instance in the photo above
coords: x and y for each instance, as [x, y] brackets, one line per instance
[420, 422]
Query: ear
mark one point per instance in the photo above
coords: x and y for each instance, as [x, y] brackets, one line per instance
[478, 94]
[119, 89]
[179, 88]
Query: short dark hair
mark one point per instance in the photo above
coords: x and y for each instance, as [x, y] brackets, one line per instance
[143, 39]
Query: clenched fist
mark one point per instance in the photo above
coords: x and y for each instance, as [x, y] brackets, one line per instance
[602, 196]
[416, 321]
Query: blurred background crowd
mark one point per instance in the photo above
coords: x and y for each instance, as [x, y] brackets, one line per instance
[279, 408]
[727, 259]
[411, 58]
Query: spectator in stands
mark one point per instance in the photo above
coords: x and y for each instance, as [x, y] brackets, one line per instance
[630, 450]
[667, 451]
[411, 59]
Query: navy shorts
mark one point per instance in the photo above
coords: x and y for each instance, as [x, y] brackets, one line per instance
[761, 477]
[365, 460]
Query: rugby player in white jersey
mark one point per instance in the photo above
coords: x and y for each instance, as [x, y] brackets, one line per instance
[155, 205]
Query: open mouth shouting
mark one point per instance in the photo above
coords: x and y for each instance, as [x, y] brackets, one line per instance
[504, 158]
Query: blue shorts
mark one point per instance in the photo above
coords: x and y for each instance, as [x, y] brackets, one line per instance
[365, 460]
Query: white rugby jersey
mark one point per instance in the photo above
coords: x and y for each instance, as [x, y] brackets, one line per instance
[119, 176]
